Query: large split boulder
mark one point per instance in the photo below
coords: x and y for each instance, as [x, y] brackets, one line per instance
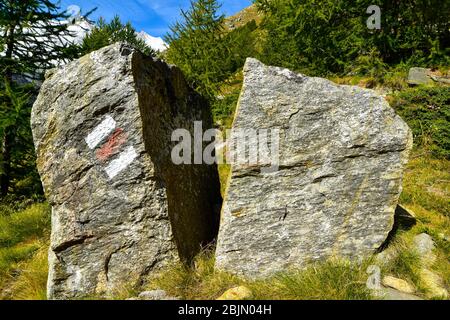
[102, 128]
[341, 156]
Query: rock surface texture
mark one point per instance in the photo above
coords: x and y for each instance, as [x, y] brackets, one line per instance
[419, 76]
[102, 129]
[342, 152]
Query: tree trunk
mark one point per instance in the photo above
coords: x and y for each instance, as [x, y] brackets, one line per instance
[7, 139]
[5, 178]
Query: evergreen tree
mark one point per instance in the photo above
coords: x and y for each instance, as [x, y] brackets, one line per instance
[331, 36]
[33, 40]
[15, 104]
[197, 46]
[241, 43]
[105, 34]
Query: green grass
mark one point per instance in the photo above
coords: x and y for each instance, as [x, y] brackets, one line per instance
[13, 255]
[24, 233]
[24, 236]
[426, 189]
[331, 280]
[425, 192]
[31, 222]
[31, 282]
[427, 112]
[406, 264]
[23, 252]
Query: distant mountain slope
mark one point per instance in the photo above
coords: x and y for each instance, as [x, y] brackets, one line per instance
[243, 17]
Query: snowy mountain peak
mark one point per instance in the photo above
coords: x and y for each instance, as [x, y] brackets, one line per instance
[156, 43]
[79, 28]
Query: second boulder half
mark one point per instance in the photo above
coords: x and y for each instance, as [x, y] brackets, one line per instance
[337, 179]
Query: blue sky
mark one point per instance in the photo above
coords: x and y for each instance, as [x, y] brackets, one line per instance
[152, 16]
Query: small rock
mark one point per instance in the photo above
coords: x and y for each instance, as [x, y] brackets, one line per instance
[392, 294]
[398, 284]
[237, 293]
[440, 79]
[386, 256]
[419, 76]
[433, 283]
[156, 295]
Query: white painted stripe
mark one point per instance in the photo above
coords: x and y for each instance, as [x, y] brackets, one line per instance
[121, 163]
[100, 132]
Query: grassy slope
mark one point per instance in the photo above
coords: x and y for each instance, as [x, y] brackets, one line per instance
[243, 17]
[24, 235]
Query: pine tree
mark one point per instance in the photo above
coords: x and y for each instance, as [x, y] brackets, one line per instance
[33, 40]
[105, 34]
[197, 46]
[331, 36]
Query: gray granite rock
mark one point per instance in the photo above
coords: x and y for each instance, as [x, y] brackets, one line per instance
[392, 294]
[423, 244]
[419, 76]
[102, 129]
[342, 152]
[155, 295]
[443, 80]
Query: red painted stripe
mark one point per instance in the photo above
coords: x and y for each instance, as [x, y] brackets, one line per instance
[112, 146]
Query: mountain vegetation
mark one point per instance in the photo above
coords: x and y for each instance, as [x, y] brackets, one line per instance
[106, 33]
[329, 37]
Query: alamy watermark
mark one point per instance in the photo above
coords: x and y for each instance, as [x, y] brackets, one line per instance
[374, 21]
[74, 13]
[243, 147]
[374, 279]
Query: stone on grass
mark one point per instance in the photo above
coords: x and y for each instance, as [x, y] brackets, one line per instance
[155, 295]
[423, 244]
[392, 294]
[237, 293]
[418, 76]
[398, 284]
[341, 156]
